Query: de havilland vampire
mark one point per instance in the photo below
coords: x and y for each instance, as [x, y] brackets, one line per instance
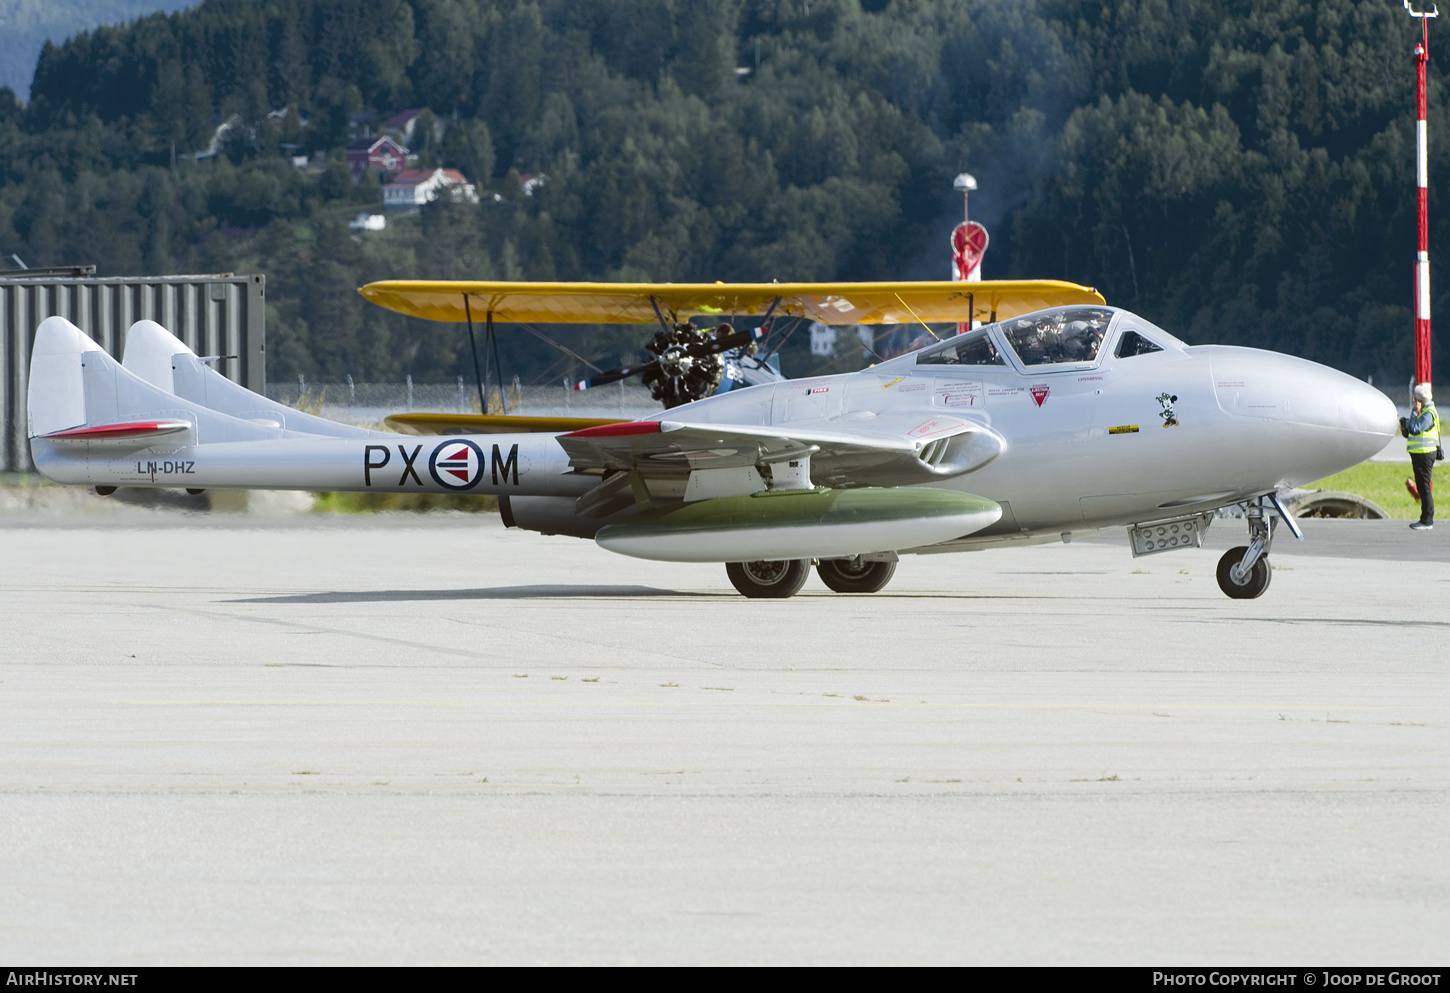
[1058, 418]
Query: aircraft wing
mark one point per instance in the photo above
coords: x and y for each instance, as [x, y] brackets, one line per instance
[892, 452]
[634, 303]
[662, 445]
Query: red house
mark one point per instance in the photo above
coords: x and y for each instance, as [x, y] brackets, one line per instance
[383, 154]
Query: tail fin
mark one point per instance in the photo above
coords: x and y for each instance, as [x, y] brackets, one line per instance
[160, 358]
[57, 398]
[82, 402]
[77, 390]
[148, 354]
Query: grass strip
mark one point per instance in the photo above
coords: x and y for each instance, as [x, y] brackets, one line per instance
[1382, 482]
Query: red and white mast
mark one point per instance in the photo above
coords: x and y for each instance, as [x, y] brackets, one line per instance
[1422, 179]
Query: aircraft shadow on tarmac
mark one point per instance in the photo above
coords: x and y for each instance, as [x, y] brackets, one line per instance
[495, 593]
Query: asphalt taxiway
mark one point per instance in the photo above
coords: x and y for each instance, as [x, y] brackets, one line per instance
[410, 739]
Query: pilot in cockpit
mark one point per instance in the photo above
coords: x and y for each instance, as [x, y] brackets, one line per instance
[1031, 340]
[1080, 340]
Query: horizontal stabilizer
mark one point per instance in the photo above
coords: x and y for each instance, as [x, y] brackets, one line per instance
[128, 434]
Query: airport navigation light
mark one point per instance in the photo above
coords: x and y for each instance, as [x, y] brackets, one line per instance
[1422, 169]
[965, 182]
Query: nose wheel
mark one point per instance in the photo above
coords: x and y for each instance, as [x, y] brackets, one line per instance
[1239, 583]
[1244, 572]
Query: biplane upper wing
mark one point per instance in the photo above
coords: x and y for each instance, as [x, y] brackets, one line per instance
[634, 303]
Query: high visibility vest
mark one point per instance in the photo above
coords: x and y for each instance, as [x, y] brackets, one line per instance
[1427, 440]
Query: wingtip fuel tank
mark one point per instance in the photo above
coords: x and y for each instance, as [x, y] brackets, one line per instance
[796, 524]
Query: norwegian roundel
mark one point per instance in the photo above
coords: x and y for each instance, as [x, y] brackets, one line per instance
[456, 464]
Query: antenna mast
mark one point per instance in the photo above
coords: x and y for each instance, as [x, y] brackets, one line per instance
[1422, 178]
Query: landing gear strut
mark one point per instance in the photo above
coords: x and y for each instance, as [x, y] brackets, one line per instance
[1244, 572]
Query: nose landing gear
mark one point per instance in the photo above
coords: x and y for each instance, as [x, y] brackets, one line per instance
[1244, 572]
[1239, 583]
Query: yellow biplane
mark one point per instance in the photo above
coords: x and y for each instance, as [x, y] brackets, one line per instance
[688, 354]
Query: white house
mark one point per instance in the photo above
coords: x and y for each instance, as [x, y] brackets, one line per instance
[412, 188]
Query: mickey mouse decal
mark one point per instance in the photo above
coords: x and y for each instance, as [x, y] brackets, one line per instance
[1166, 401]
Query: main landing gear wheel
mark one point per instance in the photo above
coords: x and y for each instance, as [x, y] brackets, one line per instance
[854, 575]
[1253, 584]
[774, 580]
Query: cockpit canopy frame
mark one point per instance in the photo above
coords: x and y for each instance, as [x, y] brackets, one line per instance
[1059, 339]
[1062, 336]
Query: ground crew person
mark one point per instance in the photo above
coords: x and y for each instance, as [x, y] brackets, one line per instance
[1422, 440]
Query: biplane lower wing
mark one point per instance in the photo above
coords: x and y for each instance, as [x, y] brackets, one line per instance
[635, 303]
[445, 423]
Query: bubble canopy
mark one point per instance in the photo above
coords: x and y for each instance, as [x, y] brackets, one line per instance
[1061, 335]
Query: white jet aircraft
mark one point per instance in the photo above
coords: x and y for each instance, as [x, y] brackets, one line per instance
[1059, 418]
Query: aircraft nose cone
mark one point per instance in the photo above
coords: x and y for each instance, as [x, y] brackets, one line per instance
[1327, 421]
[1337, 417]
[1363, 409]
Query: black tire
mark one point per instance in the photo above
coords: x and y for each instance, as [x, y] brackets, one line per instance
[773, 580]
[855, 576]
[1254, 585]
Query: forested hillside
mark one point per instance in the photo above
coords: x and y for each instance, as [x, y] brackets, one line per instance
[26, 24]
[1236, 170]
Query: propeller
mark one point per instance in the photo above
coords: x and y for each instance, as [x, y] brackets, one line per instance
[688, 366]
